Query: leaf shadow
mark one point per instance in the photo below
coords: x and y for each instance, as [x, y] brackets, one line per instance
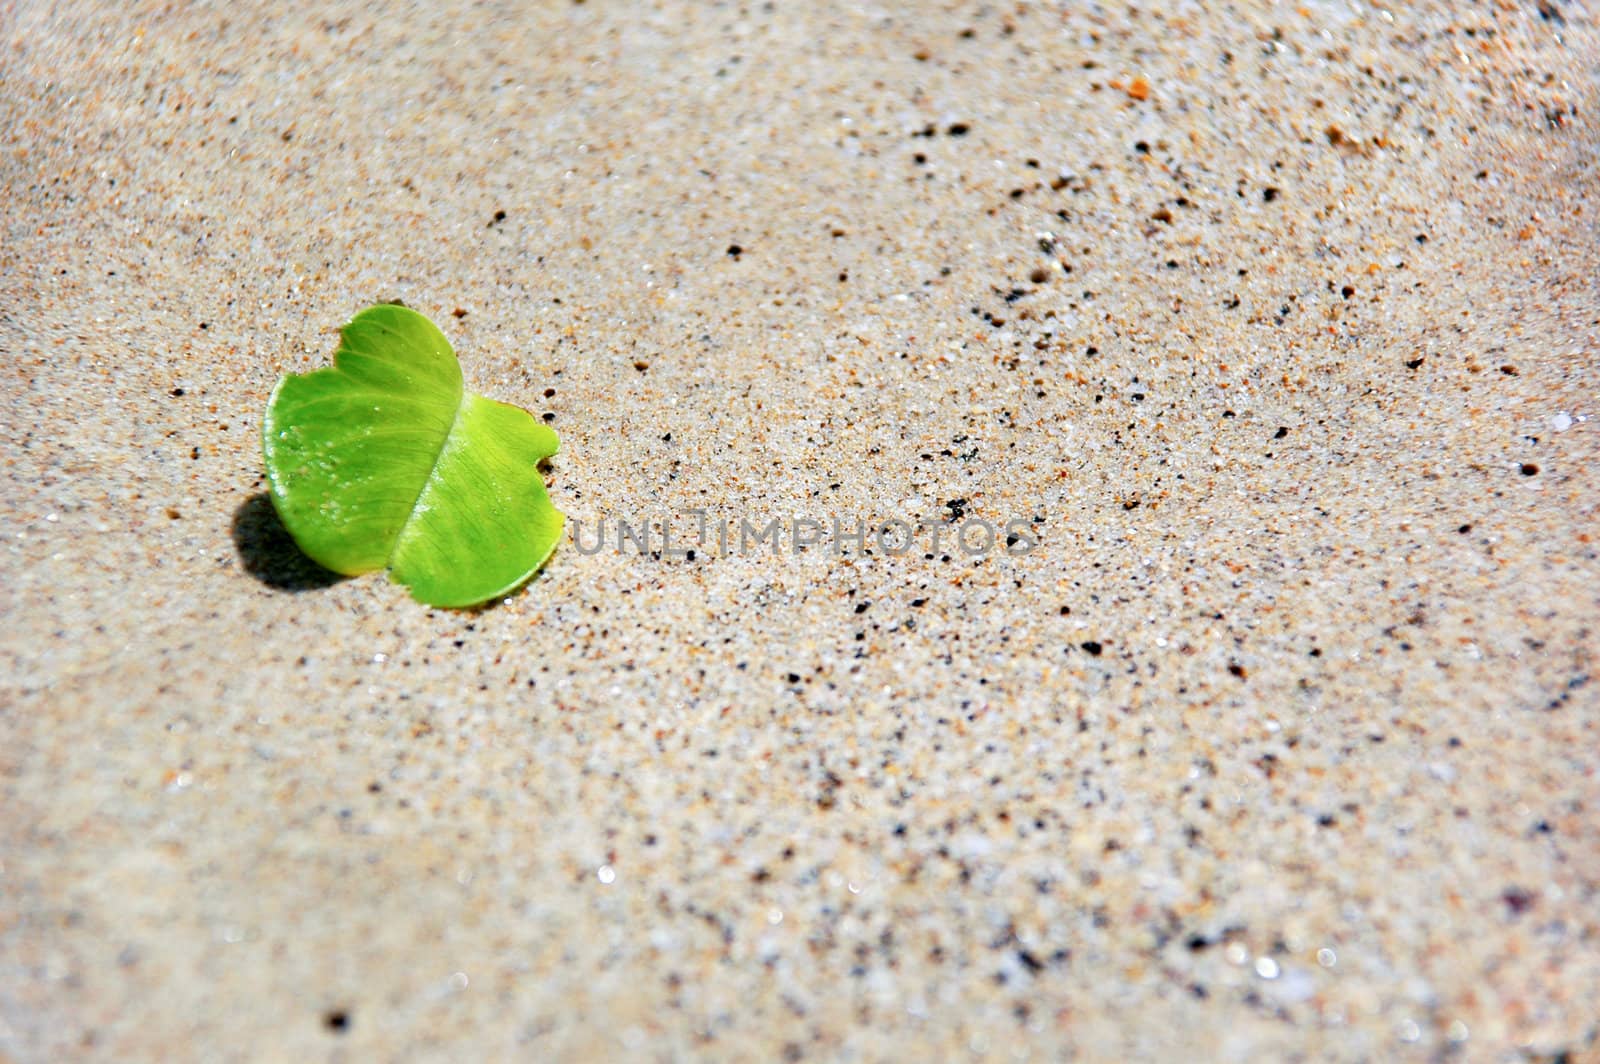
[268, 552]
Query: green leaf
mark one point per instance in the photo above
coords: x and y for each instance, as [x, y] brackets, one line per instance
[384, 459]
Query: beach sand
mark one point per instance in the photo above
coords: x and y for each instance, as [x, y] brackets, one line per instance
[1268, 332]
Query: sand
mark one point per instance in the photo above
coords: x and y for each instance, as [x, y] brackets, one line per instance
[1268, 333]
